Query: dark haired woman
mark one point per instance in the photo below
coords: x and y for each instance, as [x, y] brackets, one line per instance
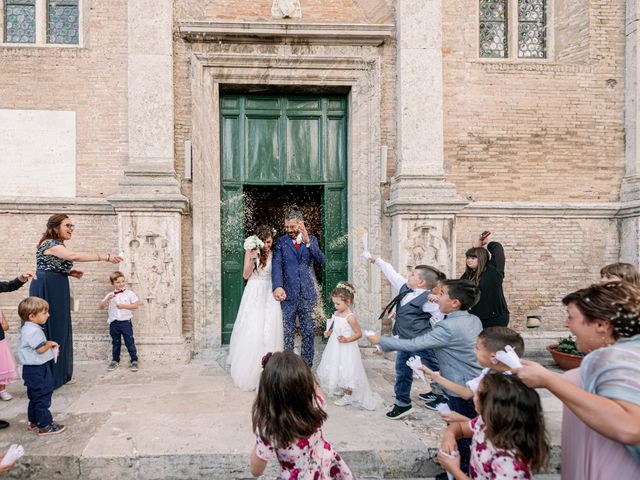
[54, 265]
[485, 268]
[601, 418]
[258, 326]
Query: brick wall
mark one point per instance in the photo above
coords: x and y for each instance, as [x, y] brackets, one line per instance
[93, 233]
[532, 130]
[546, 258]
[92, 81]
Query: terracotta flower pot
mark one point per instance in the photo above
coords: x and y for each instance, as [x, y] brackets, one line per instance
[565, 361]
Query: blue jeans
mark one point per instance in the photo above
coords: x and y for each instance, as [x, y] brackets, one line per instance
[39, 382]
[404, 374]
[124, 329]
[466, 408]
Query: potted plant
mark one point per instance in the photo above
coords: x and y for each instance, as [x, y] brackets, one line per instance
[566, 354]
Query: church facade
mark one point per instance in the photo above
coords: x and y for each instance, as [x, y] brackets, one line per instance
[166, 129]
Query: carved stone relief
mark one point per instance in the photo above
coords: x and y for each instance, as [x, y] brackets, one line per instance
[286, 9]
[150, 266]
[428, 242]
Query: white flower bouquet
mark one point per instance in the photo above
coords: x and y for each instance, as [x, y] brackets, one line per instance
[254, 243]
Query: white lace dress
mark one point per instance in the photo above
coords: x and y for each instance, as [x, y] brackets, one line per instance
[341, 367]
[256, 331]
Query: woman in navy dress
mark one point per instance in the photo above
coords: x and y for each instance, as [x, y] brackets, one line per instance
[54, 265]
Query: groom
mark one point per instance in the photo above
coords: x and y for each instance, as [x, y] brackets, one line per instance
[293, 281]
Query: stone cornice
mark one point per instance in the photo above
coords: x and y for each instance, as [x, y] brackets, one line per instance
[51, 205]
[542, 209]
[286, 32]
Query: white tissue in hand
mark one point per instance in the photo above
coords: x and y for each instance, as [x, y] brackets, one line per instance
[14, 453]
[56, 352]
[121, 254]
[415, 363]
[299, 238]
[453, 454]
[366, 255]
[509, 357]
[443, 408]
[369, 333]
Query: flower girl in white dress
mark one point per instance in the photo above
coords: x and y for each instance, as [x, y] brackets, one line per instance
[341, 370]
[258, 326]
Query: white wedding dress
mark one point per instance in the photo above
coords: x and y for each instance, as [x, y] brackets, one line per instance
[258, 329]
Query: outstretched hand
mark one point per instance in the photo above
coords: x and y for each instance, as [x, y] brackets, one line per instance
[532, 374]
[26, 276]
[483, 239]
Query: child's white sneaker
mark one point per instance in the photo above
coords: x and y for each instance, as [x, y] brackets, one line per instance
[6, 396]
[344, 401]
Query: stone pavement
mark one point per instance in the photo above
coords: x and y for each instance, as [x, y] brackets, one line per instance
[189, 421]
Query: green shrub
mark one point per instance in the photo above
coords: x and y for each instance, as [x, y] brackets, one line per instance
[568, 345]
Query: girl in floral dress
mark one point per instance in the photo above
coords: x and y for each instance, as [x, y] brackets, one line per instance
[509, 439]
[287, 417]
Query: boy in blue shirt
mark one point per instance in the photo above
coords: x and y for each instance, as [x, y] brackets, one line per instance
[453, 339]
[36, 355]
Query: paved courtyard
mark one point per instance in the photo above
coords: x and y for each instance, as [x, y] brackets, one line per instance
[189, 421]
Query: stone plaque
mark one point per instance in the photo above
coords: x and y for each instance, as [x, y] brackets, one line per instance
[38, 153]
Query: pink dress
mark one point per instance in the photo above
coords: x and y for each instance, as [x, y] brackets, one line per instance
[587, 455]
[488, 462]
[310, 458]
[8, 367]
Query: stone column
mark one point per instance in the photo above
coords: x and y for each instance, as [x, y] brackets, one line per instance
[630, 189]
[149, 203]
[422, 205]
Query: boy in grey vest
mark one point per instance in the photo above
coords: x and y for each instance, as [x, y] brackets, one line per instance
[412, 320]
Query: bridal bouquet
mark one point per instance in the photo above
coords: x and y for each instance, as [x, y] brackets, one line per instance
[253, 243]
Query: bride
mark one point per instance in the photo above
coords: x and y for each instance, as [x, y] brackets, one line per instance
[258, 326]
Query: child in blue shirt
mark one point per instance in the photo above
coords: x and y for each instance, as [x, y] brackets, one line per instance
[36, 355]
[453, 339]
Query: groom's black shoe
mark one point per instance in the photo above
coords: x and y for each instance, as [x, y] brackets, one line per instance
[4, 424]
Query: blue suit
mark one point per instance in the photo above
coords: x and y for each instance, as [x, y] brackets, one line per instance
[293, 271]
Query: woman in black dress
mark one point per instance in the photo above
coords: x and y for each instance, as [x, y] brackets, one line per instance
[485, 268]
[54, 267]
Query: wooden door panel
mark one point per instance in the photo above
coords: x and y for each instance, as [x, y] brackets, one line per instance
[303, 152]
[262, 144]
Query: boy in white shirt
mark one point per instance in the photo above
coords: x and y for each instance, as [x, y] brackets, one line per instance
[121, 303]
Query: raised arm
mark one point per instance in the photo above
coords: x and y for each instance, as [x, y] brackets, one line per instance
[394, 278]
[249, 263]
[497, 256]
[314, 250]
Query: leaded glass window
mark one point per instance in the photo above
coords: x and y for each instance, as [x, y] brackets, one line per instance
[20, 21]
[62, 21]
[531, 28]
[493, 28]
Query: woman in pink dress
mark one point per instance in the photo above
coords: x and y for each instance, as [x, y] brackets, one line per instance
[601, 420]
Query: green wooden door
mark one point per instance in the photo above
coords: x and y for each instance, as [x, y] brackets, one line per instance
[279, 141]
